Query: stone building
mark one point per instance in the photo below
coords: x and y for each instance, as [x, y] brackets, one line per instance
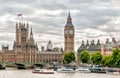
[91, 47]
[50, 54]
[106, 49]
[24, 48]
[69, 35]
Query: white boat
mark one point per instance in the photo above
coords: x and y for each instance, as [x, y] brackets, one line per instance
[43, 71]
[83, 69]
[66, 70]
[113, 71]
[97, 69]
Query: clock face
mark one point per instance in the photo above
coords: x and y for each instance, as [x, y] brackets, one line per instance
[71, 32]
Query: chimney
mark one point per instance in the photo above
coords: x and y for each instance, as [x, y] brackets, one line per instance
[113, 40]
[107, 40]
[98, 42]
[42, 48]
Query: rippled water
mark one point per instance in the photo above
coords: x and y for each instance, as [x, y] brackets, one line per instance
[29, 74]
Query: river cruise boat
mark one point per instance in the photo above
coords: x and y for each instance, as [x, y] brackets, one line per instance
[97, 69]
[83, 70]
[43, 71]
[114, 71]
[66, 70]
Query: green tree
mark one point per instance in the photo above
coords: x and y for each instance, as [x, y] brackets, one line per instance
[112, 60]
[115, 58]
[84, 56]
[96, 57]
[117, 63]
[106, 60]
[69, 57]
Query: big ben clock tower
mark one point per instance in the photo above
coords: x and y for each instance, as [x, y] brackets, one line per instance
[69, 35]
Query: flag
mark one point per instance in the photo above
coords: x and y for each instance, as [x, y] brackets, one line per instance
[19, 14]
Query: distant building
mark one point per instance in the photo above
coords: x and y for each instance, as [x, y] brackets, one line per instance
[51, 54]
[91, 47]
[106, 49]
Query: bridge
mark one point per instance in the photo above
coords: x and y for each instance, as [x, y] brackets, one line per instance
[2, 66]
[21, 65]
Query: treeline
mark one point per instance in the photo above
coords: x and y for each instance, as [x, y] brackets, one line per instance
[98, 59]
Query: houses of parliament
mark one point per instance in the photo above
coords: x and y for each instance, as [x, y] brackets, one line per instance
[26, 50]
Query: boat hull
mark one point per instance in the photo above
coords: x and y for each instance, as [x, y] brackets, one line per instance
[64, 70]
[44, 72]
[97, 70]
[114, 71]
[83, 70]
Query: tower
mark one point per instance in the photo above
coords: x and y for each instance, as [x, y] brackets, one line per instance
[22, 32]
[69, 35]
[24, 45]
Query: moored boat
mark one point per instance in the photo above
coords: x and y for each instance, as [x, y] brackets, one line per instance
[114, 71]
[83, 69]
[97, 69]
[66, 70]
[43, 71]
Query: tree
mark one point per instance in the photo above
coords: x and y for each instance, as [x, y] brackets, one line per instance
[96, 57]
[106, 60]
[116, 57]
[84, 56]
[117, 63]
[69, 57]
[112, 60]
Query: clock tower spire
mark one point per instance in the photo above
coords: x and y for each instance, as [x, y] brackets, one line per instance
[69, 35]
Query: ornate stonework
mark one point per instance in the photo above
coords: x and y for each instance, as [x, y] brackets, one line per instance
[69, 35]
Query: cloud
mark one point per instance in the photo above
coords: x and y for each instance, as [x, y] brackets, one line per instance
[92, 19]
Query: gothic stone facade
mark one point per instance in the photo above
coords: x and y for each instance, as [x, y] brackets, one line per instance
[69, 35]
[24, 48]
[50, 54]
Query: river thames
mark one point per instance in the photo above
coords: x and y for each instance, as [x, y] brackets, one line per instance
[28, 74]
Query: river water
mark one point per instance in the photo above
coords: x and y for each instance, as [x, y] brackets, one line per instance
[28, 74]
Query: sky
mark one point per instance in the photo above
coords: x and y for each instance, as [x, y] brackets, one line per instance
[92, 19]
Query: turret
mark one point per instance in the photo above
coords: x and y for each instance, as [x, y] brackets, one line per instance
[17, 26]
[31, 39]
[61, 49]
[36, 46]
[69, 20]
[82, 43]
[98, 42]
[27, 25]
[14, 44]
[92, 42]
[5, 48]
[31, 34]
[87, 44]
[49, 46]
[107, 40]
[113, 40]
[42, 48]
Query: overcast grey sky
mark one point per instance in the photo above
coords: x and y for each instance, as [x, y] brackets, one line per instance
[93, 19]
